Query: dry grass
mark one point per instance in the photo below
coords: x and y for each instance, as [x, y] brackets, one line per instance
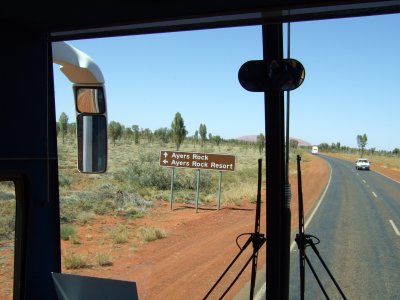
[119, 234]
[148, 234]
[74, 261]
[392, 162]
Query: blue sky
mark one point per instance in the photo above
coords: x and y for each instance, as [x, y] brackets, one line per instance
[352, 75]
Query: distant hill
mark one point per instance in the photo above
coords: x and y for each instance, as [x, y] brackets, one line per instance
[247, 138]
[253, 138]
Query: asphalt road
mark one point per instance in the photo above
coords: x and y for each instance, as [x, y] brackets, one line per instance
[358, 224]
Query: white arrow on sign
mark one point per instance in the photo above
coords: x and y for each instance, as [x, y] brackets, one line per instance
[165, 161]
[165, 154]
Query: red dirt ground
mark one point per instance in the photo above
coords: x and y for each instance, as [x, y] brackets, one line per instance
[197, 249]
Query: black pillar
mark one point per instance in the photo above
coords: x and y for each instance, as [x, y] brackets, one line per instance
[278, 210]
[29, 157]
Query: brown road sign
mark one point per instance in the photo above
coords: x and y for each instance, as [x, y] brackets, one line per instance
[194, 160]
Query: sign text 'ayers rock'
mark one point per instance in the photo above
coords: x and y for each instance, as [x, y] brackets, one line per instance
[194, 160]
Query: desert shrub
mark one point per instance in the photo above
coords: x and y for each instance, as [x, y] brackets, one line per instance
[119, 234]
[147, 174]
[74, 239]
[132, 211]
[6, 196]
[76, 202]
[64, 181]
[103, 259]
[84, 217]
[67, 231]
[74, 261]
[149, 234]
[7, 227]
[131, 198]
[104, 207]
[234, 194]
[150, 174]
[7, 219]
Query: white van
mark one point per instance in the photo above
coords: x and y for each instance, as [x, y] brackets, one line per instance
[314, 150]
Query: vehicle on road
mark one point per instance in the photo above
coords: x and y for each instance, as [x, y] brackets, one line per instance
[362, 164]
[314, 150]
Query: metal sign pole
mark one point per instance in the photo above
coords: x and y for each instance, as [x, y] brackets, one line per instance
[219, 190]
[197, 192]
[172, 188]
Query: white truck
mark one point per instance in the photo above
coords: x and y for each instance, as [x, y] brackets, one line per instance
[314, 150]
[362, 164]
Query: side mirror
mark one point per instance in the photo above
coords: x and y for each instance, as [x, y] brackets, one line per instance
[92, 143]
[262, 76]
[91, 121]
[90, 100]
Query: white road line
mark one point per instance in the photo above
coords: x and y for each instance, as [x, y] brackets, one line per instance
[394, 227]
[315, 209]
[364, 181]
[375, 195]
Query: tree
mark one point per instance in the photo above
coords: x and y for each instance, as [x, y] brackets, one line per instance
[178, 130]
[260, 142]
[203, 133]
[362, 142]
[147, 134]
[72, 129]
[323, 147]
[294, 144]
[114, 131]
[128, 134]
[196, 137]
[162, 134]
[135, 129]
[63, 123]
[217, 139]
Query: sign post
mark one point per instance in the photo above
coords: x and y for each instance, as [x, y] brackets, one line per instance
[197, 189]
[219, 190]
[195, 160]
[172, 188]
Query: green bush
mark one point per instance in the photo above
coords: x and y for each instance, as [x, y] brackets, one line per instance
[132, 211]
[150, 174]
[104, 207]
[67, 231]
[64, 181]
[147, 174]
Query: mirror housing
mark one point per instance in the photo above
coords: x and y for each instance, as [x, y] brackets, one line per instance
[262, 76]
[91, 126]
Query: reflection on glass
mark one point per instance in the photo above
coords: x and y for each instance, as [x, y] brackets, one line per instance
[261, 76]
[92, 143]
[286, 74]
[7, 233]
[90, 100]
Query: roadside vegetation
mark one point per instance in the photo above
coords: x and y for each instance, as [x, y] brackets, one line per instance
[384, 158]
[135, 181]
